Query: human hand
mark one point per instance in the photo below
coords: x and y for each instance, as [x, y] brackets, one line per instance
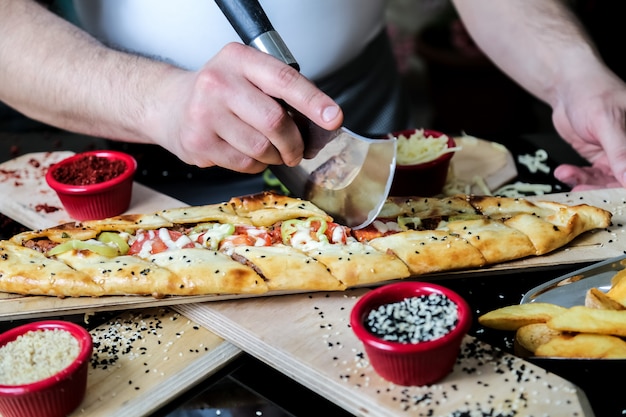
[591, 116]
[586, 178]
[227, 114]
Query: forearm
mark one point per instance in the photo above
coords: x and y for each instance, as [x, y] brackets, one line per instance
[53, 72]
[539, 43]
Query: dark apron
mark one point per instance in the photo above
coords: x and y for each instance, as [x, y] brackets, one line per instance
[370, 91]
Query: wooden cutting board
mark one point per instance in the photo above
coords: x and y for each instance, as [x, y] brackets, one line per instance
[23, 188]
[143, 359]
[308, 338]
[29, 200]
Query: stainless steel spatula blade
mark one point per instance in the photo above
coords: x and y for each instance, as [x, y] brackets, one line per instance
[345, 174]
[349, 178]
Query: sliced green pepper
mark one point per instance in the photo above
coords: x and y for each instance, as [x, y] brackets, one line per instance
[90, 245]
[116, 239]
[288, 228]
[291, 226]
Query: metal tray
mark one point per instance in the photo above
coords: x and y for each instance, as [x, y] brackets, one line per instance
[570, 289]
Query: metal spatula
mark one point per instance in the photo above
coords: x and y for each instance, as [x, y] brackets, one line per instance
[345, 174]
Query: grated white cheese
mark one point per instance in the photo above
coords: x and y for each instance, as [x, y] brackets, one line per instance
[419, 148]
[522, 189]
[535, 162]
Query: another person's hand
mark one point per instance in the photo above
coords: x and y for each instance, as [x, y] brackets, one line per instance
[591, 116]
[227, 114]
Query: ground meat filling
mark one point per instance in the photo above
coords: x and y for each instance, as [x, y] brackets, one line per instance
[40, 245]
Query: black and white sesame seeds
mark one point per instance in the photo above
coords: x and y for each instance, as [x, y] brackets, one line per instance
[414, 319]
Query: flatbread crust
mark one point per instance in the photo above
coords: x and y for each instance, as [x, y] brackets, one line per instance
[428, 251]
[26, 271]
[549, 225]
[222, 213]
[452, 233]
[267, 209]
[496, 241]
[358, 264]
[205, 271]
[124, 275]
[285, 268]
[426, 207]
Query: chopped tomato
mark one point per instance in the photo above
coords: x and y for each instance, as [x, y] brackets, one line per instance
[337, 233]
[367, 233]
[238, 240]
[155, 241]
[248, 236]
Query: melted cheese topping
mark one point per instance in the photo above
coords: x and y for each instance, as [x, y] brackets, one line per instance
[384, 227]
[212, 237]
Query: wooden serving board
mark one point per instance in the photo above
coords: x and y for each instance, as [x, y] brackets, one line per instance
[143, 359]
[23, 185]
[308, 338]
[29, 200]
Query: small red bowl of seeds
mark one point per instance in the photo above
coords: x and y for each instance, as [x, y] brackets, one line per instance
[95, 184]
[43, 368]
[411, 331]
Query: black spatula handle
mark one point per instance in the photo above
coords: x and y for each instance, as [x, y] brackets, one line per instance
[254, 28]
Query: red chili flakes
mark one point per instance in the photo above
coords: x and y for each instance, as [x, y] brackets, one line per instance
[35, 163]
[89, 169]
[46, 208]
[6, 174]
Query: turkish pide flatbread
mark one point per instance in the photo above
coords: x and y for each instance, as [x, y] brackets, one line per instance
[268, 242]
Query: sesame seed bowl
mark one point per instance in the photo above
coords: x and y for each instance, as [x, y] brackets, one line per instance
[411, 331]
[43, 368]
[95, 184]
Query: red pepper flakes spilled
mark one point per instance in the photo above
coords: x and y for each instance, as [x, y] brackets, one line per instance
[46, 208]
[88, 170]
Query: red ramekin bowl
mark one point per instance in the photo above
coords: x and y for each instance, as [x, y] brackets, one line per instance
[426, 179]
[410, 364]
[58, 395]
[95, 201]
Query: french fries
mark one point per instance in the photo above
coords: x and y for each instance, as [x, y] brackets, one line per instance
[583, 345]
[519, 315]
[618, 287]
[595, 331]
[531, 336]
[597, 299]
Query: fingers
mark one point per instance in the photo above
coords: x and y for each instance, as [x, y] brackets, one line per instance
[585, 178]
[284, 82]
[237, 97]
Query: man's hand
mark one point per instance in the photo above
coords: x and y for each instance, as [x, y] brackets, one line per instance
[227, 113]
[592, 118]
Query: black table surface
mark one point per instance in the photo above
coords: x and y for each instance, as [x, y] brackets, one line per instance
[247, 386]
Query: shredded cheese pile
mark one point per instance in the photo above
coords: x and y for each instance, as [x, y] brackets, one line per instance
[535, 162]
[416, 150]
